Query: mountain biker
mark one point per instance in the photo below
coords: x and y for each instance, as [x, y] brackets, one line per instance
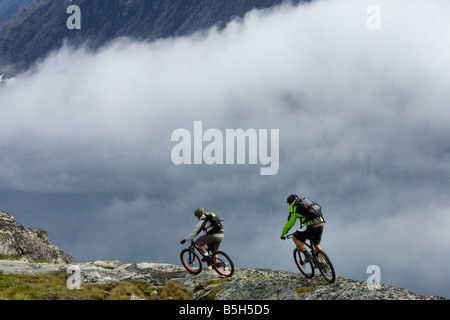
[310, 229]
[212, 238]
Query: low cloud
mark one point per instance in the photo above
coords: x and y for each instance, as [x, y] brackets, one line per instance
[362, 116]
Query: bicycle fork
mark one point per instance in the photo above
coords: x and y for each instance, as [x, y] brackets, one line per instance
[191, 257]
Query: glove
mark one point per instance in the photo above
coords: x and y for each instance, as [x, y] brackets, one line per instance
[283, 238]
[182, 241]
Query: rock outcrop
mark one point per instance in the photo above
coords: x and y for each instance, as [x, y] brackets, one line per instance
[29, 244]
[33, 253]
[246, 284]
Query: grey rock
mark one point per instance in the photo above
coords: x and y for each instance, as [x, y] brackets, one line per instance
[29, 244]
[33, 245]
[247, 284]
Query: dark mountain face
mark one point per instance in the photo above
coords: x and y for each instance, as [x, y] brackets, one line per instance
[42, 26]
[8, 8]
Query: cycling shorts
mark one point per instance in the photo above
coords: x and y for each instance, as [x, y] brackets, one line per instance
[212, 240]
[314, 234]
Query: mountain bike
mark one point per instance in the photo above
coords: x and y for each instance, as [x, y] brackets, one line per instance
[319, 260]
[219, 261]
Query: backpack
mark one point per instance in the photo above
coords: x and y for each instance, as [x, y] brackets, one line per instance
[216, 223]
[314, 210]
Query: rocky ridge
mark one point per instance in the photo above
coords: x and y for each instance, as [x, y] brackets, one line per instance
[33, 253]
[246, 284]
[28, 244]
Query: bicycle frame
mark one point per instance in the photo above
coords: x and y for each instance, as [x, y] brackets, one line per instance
[196, 247]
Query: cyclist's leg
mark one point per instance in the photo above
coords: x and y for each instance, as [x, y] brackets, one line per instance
[212, 240]
[216, 240]
[299, 237]
[316, 238]
[201, 242]
[300, 244]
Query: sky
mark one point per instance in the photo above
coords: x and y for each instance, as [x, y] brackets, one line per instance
[357, 90]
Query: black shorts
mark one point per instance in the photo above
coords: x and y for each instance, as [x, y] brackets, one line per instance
[313, 234]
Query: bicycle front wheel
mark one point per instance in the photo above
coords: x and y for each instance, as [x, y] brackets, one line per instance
[191, 261]
[222, 263]
[325, 266]
[306, 268]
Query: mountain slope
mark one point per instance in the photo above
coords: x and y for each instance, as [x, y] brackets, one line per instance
[10, 7]
[41, 27]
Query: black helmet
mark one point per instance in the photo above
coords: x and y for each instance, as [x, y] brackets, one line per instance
[292, 198]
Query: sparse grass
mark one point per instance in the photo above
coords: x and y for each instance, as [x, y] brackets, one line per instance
[216, 288]
[214, 293]
[302, 290]
[174, 290]
[214, 281]
[21, 258]
[45, 286]
[254, 278]
[14, 258]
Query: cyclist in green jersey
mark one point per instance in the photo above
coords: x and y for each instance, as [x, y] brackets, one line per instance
[309, 228]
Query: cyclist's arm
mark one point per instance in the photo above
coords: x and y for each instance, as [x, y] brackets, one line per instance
[289, 224]
[198, 228]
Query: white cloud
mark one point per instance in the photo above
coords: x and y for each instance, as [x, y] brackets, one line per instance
[362, 114]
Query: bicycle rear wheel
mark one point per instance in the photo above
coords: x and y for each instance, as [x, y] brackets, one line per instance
[222, 264]
[326, 267]
[307, 269]
[191, 261]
